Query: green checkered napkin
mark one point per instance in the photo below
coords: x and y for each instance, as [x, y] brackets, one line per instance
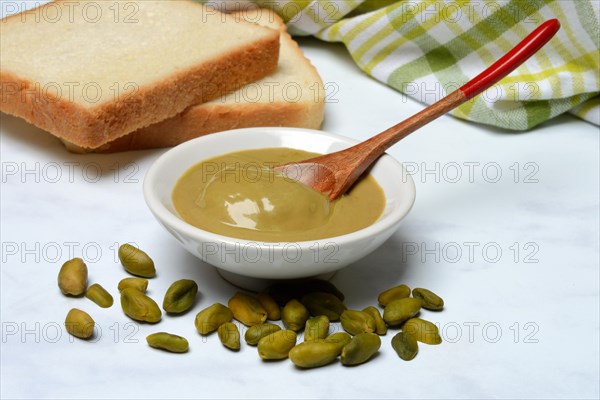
[426, 49]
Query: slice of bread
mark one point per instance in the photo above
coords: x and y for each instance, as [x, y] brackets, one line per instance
[92, 71]
[293, 96]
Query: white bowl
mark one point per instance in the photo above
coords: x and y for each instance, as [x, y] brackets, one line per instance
[237, 258]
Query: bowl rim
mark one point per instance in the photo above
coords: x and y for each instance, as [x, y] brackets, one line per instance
[164, 215]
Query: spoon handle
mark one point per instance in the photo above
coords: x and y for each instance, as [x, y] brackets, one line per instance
[504, 66]
[511, 60]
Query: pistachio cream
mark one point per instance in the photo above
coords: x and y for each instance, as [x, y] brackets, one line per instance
[239, 195]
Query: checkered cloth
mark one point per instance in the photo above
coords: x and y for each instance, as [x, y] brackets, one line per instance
[426, 49]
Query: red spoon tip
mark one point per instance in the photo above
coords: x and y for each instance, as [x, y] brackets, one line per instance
[511, 60]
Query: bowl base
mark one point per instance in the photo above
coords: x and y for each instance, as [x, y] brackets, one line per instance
[258, 284]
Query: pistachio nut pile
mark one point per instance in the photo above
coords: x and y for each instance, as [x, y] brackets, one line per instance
[312, 307]
[309, 308]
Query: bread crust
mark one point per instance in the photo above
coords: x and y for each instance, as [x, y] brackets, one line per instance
[201, 121]
[91, 127]
[214, 117]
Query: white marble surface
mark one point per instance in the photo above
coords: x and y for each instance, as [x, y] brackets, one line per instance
[522, 324]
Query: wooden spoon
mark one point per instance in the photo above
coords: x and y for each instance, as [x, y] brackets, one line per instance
[333, 174]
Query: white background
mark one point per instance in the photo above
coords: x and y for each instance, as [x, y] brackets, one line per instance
[523, 323]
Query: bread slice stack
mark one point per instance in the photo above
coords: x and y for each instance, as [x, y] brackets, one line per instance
[155, 74]
[292, 96]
